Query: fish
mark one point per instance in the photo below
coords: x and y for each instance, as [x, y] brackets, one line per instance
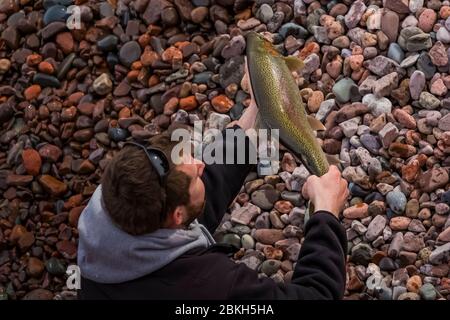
[280, 104]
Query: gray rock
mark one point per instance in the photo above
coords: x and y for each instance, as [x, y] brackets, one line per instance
[264, 13]
[441, 254]
[395, 52]
[103, 84]
[341, 89]
[269, 267]
[129, 53]
[428, 101]
[428, 292]
[376, 227]
[247, 242]
[396, 201]
[388, 134]
[355, 13]
[245, 214]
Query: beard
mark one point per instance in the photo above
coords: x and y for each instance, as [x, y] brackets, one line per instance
[193, 212]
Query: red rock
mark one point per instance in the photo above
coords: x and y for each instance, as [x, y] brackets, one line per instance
[438, 54]
[86, 108]
[67, 248]
[149, 57]
[65, 42]
[283, 206]
[16, 233]
[315, 100]
[272, 253]
[34, 59]
[31, 161]
[26, 241]
[427, 19]
[414, 283]
[268, 236]
[74, 215]
[397, 149]
[18, 180]
[46, 67]
[32, 92]
[399, 223]
[188, 103]
[222, 103]
[74, 201]
[444, 236]
[405, 118]
[411, 171]
[52, 185]
[358, 211]
[50, 152]
[172, 54]
[35, 267]
[433, 179]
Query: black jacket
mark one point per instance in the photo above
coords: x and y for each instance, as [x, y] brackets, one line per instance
[210, 274]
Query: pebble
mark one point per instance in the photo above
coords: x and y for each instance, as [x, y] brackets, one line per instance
[396, 201]
[102, 84]
[342, 89]
[129, 53]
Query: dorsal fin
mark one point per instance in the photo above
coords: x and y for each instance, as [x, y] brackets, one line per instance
[293, 63]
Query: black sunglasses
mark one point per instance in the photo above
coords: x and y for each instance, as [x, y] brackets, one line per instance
[159, 162]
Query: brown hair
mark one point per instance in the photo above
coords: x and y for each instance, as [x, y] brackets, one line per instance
[131, 191]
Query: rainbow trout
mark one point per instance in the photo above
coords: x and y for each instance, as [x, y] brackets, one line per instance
[280, 104]
[281, 107]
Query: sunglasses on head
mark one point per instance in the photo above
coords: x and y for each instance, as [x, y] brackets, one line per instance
[159, 162]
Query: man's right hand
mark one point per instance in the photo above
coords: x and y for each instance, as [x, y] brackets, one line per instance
[328, 192]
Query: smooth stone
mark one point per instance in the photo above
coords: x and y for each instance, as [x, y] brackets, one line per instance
[428, 292]
[108, 43]
[106, 10]
[55, 13]
[45, 80]
[65, 65]
[55, 266]
[417, 84]
[396, 201]
[293, 29]
[425, 65]
[130, 52]
[232, 239]
[117, 134]
[342, 89]
[269, 267]
[409, 61]
[395, 52]
[428, 101]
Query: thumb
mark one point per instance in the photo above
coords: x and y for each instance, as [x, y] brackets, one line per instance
[305, 191]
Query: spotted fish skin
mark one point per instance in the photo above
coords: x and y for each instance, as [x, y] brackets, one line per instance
[280, 104]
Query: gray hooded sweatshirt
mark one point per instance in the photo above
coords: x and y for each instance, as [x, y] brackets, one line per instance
[106, 254]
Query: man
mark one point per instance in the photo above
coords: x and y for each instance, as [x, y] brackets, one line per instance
[146, 232]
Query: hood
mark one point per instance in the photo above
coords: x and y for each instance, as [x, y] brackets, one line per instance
[106, 254]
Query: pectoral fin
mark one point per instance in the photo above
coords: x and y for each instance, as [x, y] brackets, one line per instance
[293, 63]
[315, 124]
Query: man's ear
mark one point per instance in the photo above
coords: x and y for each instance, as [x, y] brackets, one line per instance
[175, 219]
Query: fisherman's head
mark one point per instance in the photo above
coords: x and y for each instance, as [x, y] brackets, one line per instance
[140, 202]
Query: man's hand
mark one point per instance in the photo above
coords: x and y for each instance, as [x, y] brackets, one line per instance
[248, 118]
[328, 192]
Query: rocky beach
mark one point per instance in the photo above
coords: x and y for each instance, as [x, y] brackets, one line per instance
[79, 78]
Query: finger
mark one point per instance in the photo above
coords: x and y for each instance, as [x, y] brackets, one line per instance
[333, 170]
[305, 191]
